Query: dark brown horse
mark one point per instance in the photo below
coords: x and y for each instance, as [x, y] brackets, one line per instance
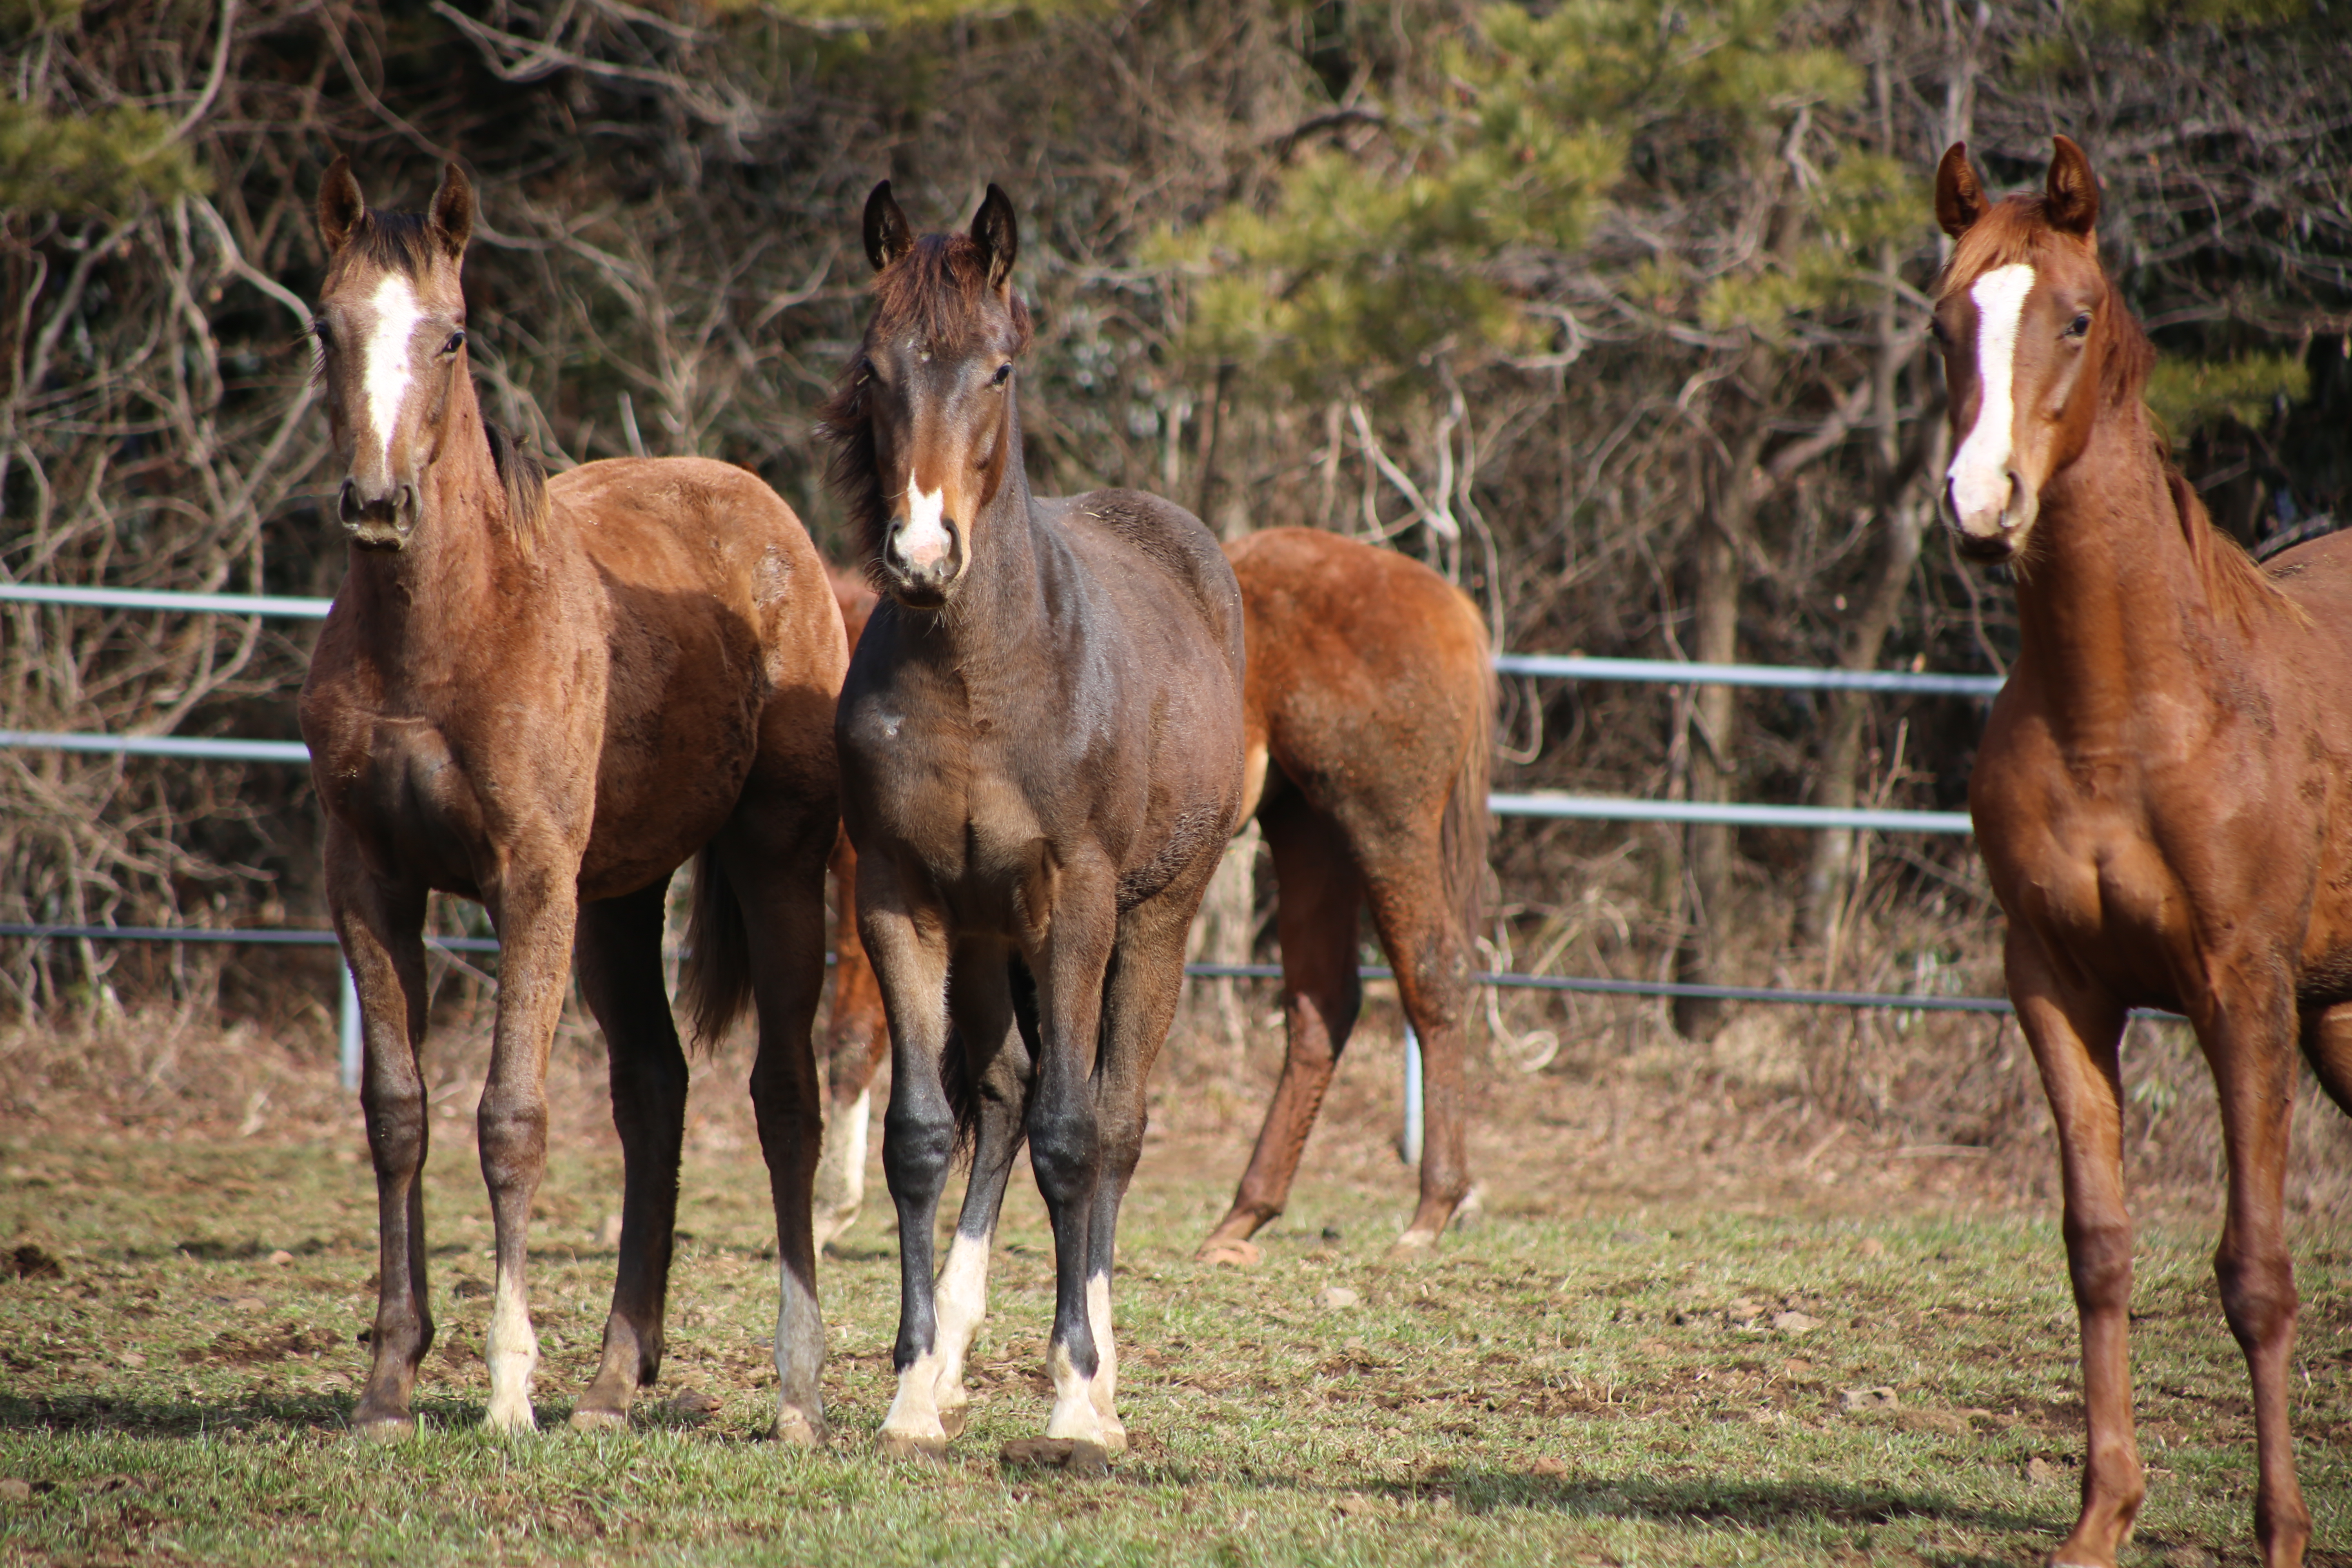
[2163, 793]
[1041, 745]
[546, 695]
[1368, 713]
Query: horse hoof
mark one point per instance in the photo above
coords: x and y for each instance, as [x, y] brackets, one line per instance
[586, 1419]
[384, 1428]
[1234, 1254]
[1412, 1245]
[794, 1429]
[1075, 1455]
[951, 1421]
[909, 1446]
[1114, 1438]
[509, 1423]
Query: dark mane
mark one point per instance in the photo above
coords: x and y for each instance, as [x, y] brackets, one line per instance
[933, 292]
[525, 478]
[396, 242]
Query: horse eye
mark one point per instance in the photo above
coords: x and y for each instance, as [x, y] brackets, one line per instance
[2080, 327]
[456, 340]
[1004, 374]
[320, 330]
[1935, 330]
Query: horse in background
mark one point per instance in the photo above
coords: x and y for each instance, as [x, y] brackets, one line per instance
[1041, 745]
[2163, 796]
[546, 695]
[1368, 717]
[857, 1031]
[1368, 713]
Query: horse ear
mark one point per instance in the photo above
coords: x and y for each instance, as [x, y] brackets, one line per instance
[341, 208]
[998, 235]
[452, 220]
[2072, 199]
[1959, 200]
[888, 235]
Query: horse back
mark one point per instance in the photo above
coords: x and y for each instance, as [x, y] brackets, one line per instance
[725, 645]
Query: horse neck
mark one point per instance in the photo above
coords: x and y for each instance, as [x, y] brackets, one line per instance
[1000, 613]
[2112, 581]
[463, 568]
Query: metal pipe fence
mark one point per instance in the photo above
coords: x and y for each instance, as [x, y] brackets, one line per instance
[1536, 803]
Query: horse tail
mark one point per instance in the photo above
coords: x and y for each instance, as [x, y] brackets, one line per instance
[715, 980]
[1462, 832]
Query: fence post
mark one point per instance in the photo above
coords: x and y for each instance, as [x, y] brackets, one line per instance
[1410, 1145]
[353, 1048]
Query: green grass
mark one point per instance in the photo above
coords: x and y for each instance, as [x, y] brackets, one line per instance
[1548, 1389]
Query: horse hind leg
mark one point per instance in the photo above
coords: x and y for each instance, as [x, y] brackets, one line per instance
[1140, 1003]
[1422, 933]
[776, 871]
[2327, 1047]
[617, 956]
[1319, 895]
[859, 1037]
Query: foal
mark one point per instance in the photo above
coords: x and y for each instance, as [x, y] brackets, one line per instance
[545, 695]
[1041, 741]
[2164, 793]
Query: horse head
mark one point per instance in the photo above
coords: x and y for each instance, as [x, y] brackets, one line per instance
[2029, 328]
[391, 334]
[924, 422]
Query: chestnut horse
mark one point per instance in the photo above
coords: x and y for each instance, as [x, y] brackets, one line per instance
[858, 1032]
[1041, 746]
[545, 695]
[1369, 714]
[2164, 791]
[1368, 718]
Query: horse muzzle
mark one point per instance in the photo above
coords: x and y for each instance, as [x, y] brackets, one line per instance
[378, 523]
[921, 565]
[1991, 527]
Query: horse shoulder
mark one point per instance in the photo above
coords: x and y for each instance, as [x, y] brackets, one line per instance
[1174, 543]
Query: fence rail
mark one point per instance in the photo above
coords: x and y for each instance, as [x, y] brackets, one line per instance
[1537, 804]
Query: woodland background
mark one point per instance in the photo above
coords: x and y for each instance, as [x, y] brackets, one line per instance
[1611, 309]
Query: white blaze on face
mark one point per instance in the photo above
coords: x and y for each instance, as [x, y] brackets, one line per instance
[1980, 471]
[923, 538]
[384, 370]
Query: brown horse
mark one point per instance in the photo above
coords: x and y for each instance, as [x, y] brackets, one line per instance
[1041, 745]
[2163, 793]
[1368, 713]
[545, 695]
[858, 1032]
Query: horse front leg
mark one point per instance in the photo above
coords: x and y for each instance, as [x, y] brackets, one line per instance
[2247, 1044]
[536, 909]
[1066, 1146]
[908, 940]
[2074, 1035]
[382, 933]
